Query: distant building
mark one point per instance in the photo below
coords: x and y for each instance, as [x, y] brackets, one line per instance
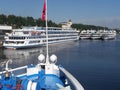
[66, 25]
[5, 29]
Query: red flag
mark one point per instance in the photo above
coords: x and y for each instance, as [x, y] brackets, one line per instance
[44, 11]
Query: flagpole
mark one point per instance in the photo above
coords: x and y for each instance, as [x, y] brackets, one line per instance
[47, 53]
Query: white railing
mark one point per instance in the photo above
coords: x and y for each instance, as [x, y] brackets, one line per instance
[15, 69]
[73, 80]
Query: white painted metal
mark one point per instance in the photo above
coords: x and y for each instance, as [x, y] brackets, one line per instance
[73, 80]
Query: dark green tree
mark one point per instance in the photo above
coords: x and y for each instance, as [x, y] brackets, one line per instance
[40, 23]
[3, 19]
[30, 21]
[11, 20]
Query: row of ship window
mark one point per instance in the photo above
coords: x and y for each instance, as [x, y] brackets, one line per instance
[39, 40]
[39, 37]
[61, 39]
[7, 42]
[51, 40]
[60, 32]
[51, 32]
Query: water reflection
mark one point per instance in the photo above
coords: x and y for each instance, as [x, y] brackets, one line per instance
[24, 56]
[27, 56]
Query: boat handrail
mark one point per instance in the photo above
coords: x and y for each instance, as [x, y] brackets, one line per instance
[73, 80]
[15, 69]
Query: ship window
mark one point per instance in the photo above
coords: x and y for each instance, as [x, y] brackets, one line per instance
[26, 32]
[16, 37]
[20, 42]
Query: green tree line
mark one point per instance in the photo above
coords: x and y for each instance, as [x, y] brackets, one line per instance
[88, 27]
[19, 22]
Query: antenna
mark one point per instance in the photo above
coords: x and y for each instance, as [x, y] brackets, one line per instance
[47, 53]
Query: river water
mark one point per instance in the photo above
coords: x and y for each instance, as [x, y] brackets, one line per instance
[96, 64]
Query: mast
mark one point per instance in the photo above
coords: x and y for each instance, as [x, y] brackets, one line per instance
[47, 53]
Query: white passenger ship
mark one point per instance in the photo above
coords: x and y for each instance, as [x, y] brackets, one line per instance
[35, 36]
[96, 35]
[108, 35]
[85, 34]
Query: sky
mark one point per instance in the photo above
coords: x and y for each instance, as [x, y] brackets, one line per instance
[93, 12]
